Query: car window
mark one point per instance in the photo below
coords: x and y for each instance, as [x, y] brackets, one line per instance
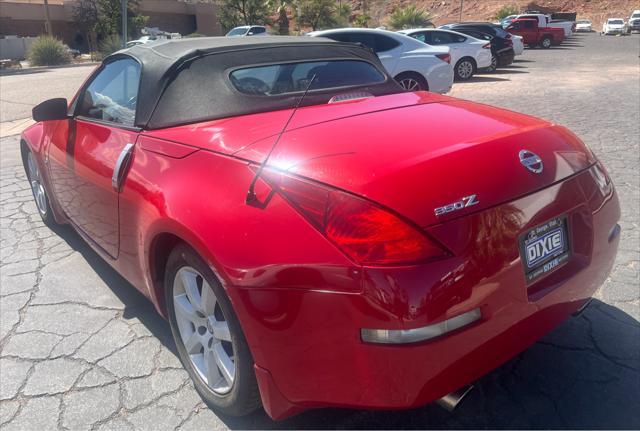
[421, 36]
[384, 43]
[238, 31]
[112, 94]
[515, 26]
[278, 79]
[444, 38]
[528, 25]
[258, 30]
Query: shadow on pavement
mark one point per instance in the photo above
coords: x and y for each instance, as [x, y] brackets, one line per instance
[136, 304]
[477, 78]
[584, 374]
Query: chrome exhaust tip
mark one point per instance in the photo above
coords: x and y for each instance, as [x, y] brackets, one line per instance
[450, 401]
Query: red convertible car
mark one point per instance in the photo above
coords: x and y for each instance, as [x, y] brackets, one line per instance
[315, 235]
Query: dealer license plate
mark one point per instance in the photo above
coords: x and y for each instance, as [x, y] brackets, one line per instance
[544, 248]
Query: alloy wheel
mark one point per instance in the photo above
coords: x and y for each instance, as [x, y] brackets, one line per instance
[546, 43]
[410, 84]
[35, 180]
[204, 330]
[465, 70]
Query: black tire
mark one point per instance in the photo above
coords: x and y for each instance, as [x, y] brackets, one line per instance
[465, 68]
[37, 186]
[243, 396]
[546, 42]
[412, 81]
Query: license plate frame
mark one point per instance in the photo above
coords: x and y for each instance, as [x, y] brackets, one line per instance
[545, 248]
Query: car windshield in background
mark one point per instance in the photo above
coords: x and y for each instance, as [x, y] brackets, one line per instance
[277, 79]
[238, 31]
[616, 21]
[584, 21]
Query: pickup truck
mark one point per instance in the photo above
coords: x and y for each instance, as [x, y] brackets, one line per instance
[545, 21]
[534, 35]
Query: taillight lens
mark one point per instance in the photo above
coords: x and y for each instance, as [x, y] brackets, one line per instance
[366, 233]
[444, 57]
[487, 46]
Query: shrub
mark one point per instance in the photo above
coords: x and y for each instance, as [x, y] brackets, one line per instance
[48, 51]
[109, 45]
[194, 35]
[505, 11]
[409, 17]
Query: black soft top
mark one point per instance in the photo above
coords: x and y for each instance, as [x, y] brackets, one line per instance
[186, 80]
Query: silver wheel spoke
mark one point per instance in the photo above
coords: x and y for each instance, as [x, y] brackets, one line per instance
[220, 330]
[212, 373]
[225, 365]
[193, 343]
[185, 310]
[208, 299]
[190, 284]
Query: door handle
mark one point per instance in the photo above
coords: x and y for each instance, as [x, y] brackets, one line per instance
[121, 167]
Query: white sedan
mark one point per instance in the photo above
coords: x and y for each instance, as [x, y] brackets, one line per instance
[614, 26]
[413, 64]
[518, 44]
[583, 25]
[468, 54]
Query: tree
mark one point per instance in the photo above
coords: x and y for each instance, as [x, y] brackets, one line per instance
[110, 17]
[318, 13]
[362, 20]
[85, 17]
[243, 12]
[281, 7]
[505, 11]
[343, 14]
[409, 17]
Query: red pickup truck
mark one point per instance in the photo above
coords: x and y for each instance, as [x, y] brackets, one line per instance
[533, 35]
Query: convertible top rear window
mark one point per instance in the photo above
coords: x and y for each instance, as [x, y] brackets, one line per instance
[278, 79]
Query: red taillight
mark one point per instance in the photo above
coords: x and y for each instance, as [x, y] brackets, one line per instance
[487, 46]
[365, 232]
[444, 57]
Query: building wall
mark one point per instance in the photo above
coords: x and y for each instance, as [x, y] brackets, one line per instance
[26, 17]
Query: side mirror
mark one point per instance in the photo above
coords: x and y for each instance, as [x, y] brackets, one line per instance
[49, 110]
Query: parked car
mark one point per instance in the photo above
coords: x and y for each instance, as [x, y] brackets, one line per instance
[413, 64]
[584, 25]
[501, 41]
[373, 249]
[467, 53]
[634, 22]
[535, 36]
[545, 21]
[247, 30]
[614, 26]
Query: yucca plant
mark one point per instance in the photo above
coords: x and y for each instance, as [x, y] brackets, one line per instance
[109, 45]
[409, 17]
[48, 51]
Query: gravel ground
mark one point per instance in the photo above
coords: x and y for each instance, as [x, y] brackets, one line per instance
[81, 349]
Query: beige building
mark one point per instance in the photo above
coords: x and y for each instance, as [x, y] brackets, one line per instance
[27, 17]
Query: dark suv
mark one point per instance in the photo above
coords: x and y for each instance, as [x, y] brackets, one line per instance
[501, 43]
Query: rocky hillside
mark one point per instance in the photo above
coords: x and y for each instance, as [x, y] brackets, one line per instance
[445, 11]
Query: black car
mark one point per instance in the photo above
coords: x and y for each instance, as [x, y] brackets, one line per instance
[501, 43]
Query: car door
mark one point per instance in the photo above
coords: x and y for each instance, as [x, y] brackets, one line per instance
[443, 38]
[88, 166]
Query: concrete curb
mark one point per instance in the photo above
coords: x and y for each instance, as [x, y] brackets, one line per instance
[8, 72]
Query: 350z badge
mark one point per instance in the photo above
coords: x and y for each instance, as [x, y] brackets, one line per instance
[465, 202]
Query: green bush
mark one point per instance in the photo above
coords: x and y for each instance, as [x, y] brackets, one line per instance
[505, 11]
[195, 35]
[48, 51]
[109, 45]
[409, 17]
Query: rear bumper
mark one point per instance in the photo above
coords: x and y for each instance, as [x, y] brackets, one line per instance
[505, 58]
[307, 345]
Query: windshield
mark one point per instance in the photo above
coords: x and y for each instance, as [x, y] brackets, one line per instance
[636, 15]
[238, 31]
[584, 21]
[616, 21]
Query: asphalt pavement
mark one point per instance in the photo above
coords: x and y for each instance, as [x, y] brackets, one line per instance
[81, 349]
